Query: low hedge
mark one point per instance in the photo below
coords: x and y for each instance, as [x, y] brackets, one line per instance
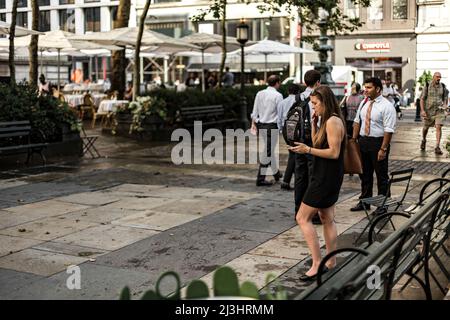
[22, 102]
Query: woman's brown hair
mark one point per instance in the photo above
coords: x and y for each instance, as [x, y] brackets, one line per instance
[331, 106]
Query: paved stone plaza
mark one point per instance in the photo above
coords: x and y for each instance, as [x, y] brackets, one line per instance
[131, 215]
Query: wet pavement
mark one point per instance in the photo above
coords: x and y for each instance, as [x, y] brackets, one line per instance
[129, 216]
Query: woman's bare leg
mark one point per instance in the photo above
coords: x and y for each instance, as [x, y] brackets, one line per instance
[304, 217]
[329, 232]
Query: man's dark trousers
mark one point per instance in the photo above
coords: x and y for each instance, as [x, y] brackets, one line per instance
[303, 167]
[370, 146]
[270, 149]
[290, 168]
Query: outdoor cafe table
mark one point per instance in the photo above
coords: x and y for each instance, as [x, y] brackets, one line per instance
[107, 106]
[74, 99]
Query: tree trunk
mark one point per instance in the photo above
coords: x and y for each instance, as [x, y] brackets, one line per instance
[119, 61]
[137, 49]
[12, 33]
[224, 40]
[33, 48]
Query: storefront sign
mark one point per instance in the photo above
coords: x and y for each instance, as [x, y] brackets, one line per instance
[373, 46]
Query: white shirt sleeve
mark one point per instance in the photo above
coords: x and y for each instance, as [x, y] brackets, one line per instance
[280, 112]
[389, 119]
[255, 112]
[358, 112]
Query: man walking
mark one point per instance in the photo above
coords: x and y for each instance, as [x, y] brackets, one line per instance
[303, 162]
[283, 109]
[265, 116]
[432, 109]
[374, 124]
[228, 78]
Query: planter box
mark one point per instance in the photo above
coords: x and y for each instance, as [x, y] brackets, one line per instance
[154, 129]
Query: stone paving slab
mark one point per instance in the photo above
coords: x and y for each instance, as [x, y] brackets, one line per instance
[38, 192]
[255, 268]
[9, 244]
[192, 250]
[102, 215]
[106, 237]
[71, 250]
[39, 262]
[178, 192]
[11, 280]
[138, 203]
[197, 207]
[255, 215]
[97, 198]
[47, 208]
[5, 184]
[132, 190]
[47, 228]
[97, 282]
[154, 220]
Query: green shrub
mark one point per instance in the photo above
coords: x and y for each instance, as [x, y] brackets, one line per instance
[46, 113]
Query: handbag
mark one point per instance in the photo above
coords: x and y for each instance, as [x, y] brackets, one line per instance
[352, 157]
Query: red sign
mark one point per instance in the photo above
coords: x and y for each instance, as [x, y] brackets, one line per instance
[299, 31]
[373, 46]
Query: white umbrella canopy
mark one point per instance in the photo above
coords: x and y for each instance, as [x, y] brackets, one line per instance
[268, 47]
[211, 43]
[5, 28]
[128, 36]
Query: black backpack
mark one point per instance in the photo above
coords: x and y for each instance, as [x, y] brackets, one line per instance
[297, 126]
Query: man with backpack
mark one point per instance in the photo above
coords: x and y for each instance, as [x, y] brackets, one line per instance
[303, 162]
[432, 106]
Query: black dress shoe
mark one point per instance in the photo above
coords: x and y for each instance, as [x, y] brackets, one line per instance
[307, 278]
[263, 183]
[278, 176]
[360, 207]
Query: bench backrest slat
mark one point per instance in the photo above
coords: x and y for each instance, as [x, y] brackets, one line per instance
[14, 123]
[14, 129]
[15, 134]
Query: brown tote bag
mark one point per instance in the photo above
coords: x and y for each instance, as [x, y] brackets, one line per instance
[352, 158]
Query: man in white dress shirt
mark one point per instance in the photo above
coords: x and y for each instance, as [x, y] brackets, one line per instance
[283, 110]
[374, 124]
[265, 116]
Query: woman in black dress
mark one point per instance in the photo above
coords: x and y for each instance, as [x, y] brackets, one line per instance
[326, 178]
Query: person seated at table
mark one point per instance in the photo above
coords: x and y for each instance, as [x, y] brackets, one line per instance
[44, 86]
[129, 92]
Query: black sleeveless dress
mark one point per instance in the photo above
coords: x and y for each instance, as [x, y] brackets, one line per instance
[326, 180]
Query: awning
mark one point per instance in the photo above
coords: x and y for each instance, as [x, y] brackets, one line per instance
[236, 67]
[364, 65]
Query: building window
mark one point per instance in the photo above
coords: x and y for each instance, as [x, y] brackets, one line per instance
[376, 10]
[44, 21]
[3, 16]
[42, 3]
[92, 19]
[22, 19]
[66, 1]
[87, 1]
[67, 20]
[351, 10]
[113, 16]
[2, 4]
[22, 3]
[399, 9]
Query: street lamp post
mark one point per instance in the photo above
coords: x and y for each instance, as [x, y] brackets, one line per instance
[242, 38]
[324, 67]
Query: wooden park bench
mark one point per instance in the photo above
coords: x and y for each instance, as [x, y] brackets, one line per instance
[402, 252]
[15, 138]
[210, 116]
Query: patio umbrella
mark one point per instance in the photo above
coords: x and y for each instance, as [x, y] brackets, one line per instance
[210, 43]
[266, 47]
[61, 41]
[5, 28]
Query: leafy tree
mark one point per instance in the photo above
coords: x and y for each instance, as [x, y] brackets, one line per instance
[12, 33]
[218, 9]
[426, 77]
[119, 62]
[33, 48]
[308, 13]
[137, 49]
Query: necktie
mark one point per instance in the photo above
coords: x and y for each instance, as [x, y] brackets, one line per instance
[367, 121]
